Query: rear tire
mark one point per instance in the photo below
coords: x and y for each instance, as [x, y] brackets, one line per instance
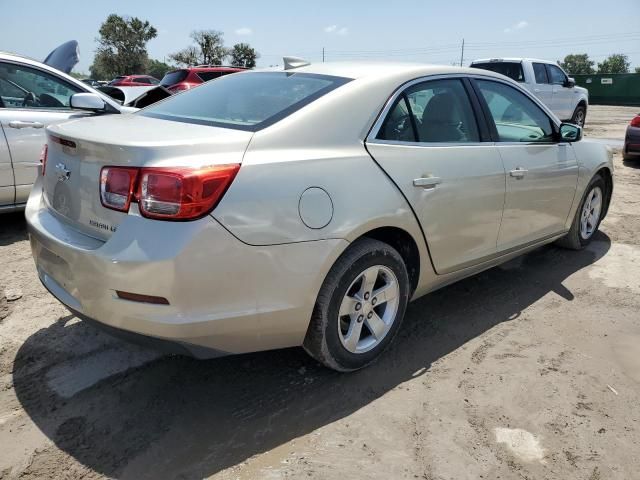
[585, 223]
[360, 306]
[579, 116]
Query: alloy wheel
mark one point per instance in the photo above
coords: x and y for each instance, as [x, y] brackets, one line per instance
[590, 215]
[368, 309]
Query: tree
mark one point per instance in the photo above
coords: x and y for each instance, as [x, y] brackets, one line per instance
[122, 46]
[187, 56]
[157, 69]
[578, 63]
[637, 69]
[243, 55]
[208, 49]
[79, 75]
[616, 63]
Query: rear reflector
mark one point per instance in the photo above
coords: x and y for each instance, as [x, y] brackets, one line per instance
[136, 297]
[117, 185]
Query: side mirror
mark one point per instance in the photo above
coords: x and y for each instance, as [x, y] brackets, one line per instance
[87, 101]
[570, 82]
[570, 132]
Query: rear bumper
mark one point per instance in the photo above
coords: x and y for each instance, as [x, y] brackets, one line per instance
[223, 294]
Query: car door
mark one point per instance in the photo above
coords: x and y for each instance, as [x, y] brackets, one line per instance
[31, 99]
[542, 173]
[7, 188]
[542, 88]
[562, 93]
[429, 142]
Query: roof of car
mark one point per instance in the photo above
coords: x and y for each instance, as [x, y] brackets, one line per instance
[213, 68]
[357, 70]
[512, 59]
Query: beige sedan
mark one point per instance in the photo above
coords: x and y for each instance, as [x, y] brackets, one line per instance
[305, 206]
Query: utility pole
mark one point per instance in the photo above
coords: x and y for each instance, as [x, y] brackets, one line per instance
[322, 54]
[462, 53]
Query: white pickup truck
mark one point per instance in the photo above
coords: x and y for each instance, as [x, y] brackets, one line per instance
[547, 81]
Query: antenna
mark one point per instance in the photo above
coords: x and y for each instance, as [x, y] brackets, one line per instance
[294, 62]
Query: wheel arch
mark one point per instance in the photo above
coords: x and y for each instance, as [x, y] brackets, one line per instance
[607, 176]
[406, 246]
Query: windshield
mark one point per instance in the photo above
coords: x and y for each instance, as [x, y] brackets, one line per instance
[174, 77]
[245, 101]
[513, 70]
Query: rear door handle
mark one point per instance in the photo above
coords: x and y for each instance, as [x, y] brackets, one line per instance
[518, 173]
[427, 182]
[21, 124]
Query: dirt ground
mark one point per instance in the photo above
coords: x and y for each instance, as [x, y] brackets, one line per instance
[530, 370]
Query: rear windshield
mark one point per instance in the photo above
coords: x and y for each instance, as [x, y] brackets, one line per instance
[174, 77]
[246, 101]
[513, 70]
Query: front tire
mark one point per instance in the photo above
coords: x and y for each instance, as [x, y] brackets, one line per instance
[579, 116]
[588, 216]
[360, 306]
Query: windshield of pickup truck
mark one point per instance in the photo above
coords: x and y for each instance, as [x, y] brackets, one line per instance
[513, 70]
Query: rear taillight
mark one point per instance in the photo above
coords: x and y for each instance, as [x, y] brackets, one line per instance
[179, 193]
[117, 185]
[635, 121]
[183, 193]
[43, 157]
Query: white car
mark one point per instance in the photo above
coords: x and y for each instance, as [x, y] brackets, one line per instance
[34, 95]
[547, 81]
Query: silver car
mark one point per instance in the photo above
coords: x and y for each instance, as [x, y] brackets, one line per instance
[32, 96]
[305, 206]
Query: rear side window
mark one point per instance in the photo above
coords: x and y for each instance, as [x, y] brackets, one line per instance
[206, 76]
[540, 72]
[247, 101]
[439, 111]
[144, 81]
[171, 78]
[513, 70]
[517, 118]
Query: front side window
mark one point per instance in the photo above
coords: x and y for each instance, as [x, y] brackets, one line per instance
[556, 75]
[517, 118]
[26, 87]
[540, 73]
[206, 76]
[247, 101]
[513, 70]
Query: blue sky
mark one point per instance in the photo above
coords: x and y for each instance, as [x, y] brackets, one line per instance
[411, 30]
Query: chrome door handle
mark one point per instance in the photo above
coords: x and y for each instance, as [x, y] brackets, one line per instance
[21, 124]
[427, 182]
[518, 173]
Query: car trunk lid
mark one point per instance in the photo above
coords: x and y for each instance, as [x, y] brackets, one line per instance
[78, 150]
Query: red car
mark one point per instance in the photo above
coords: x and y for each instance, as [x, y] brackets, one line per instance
[134, 81]
[631, 150]
[186, 78]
